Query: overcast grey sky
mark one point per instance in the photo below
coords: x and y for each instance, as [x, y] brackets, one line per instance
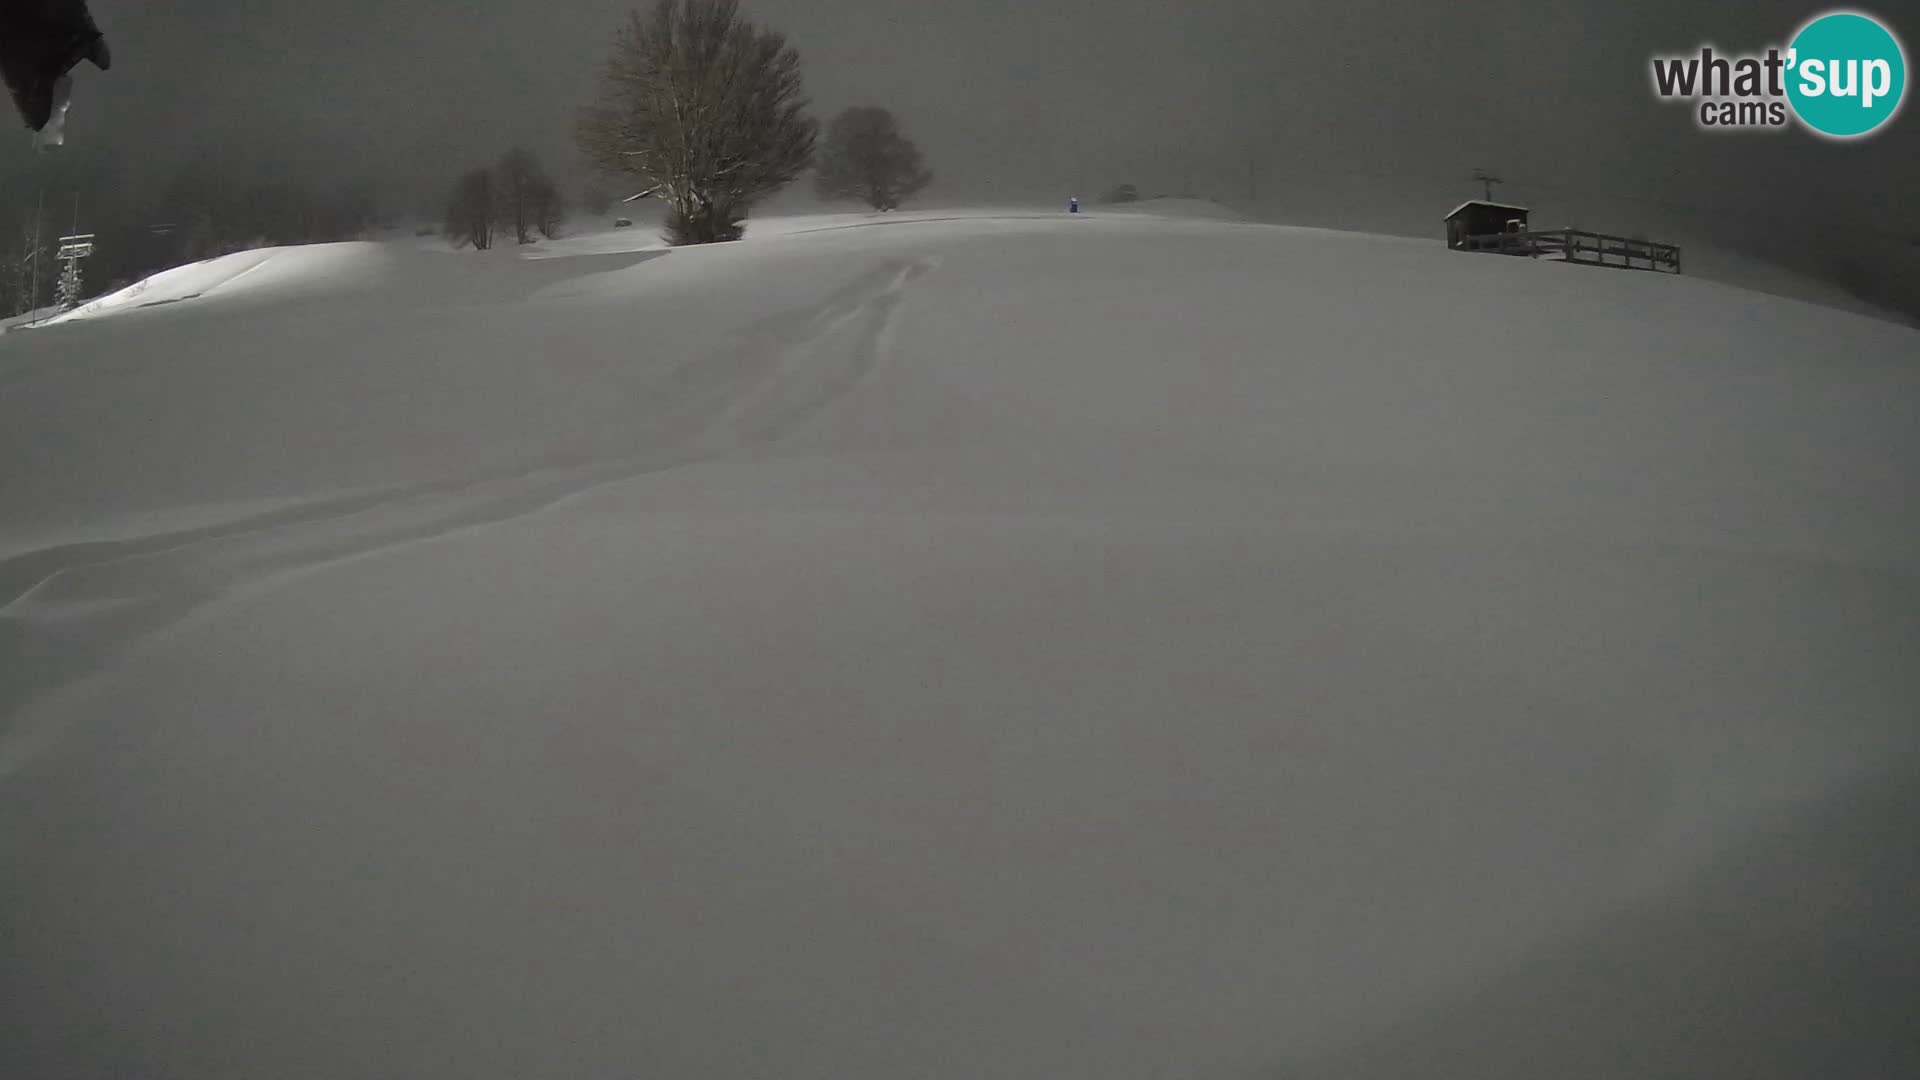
[1380, 105]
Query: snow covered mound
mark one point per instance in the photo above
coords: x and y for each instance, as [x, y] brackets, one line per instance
[958, 645]
[295, 274]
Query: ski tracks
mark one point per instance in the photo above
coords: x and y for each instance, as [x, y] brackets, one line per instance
[67, 611]
[788, 370]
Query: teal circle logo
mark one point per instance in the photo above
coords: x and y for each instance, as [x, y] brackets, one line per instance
[1848, 75]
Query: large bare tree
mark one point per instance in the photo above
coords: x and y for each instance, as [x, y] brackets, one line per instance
[705, 110]
[865, 157]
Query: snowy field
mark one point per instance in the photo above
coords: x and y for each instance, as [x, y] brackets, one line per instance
[955, 646]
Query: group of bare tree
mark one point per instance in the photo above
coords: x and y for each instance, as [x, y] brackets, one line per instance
[705, 110]
[515, 198]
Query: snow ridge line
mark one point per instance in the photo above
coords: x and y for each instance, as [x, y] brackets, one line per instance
[125, 297]
[774, 345]
[68, 610]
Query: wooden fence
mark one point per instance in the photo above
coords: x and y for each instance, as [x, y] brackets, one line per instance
[1580, 246]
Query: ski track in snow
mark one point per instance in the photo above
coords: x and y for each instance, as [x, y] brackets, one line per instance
[68, 610]
[1202, 652]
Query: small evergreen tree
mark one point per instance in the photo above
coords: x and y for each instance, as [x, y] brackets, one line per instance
[67, 292]
[865, 157]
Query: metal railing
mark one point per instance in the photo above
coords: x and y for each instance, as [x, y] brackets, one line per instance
[1580, 246]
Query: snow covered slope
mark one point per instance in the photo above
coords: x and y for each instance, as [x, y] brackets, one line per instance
[959, 645]
[297, 274]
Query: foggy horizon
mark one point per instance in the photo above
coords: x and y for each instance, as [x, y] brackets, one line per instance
[1371, 115]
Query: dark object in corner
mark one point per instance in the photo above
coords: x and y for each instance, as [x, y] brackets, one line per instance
[40, 42]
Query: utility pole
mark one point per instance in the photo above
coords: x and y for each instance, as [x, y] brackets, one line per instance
[33, 274]
[1487, 180]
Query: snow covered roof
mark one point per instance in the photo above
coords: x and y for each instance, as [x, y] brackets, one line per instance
[1483, 202]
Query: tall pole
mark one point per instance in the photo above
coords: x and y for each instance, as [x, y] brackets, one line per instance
[65, 298]
[33, 287]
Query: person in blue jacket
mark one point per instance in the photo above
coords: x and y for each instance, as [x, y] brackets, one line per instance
[41, 42]
[1073, 205]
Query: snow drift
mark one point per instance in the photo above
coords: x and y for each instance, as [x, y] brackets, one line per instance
[1004, 645]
